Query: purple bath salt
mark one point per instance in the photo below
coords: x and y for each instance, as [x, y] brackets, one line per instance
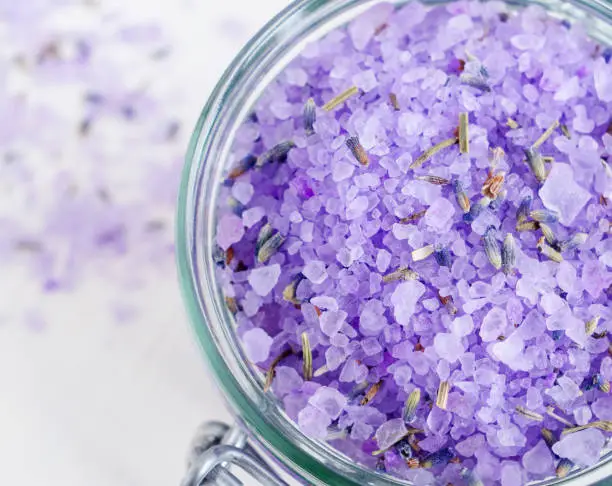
[419, 249]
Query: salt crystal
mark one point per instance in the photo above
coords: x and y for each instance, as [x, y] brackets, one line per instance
[315, 271]
[243, 191]
[313, 422]
[602, 408]
[448, 346]
[539, 459]
[328, 400]
[372, 320]
[552, 303]
[342, 170]
[383, 259]
[256, 343]
[582, 448]
[565, 392]
[362, 29]
[410, 124]
[390, 432]
[493, 325]
[595, 278]
[439, 215]
[252, 216]
[561, 193]
[264, 279]
[334, 357]
[528, 42]
[582, 415]
[357, 207]
[332, 321]
[510, 351]
[438, 421]
[602, 74]
[568, 90]
[404, 300]
[286, 380]
[230, 230]
[566, 276]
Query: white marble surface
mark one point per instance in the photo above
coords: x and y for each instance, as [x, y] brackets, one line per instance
[89, 398]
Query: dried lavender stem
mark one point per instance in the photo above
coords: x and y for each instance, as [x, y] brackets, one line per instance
[272, 369]
[403, 273]
[464, 140]
[442, 397]
[394, 101]
[529, 414]
[433, 151]
[371, 393]
[546, 135]
[411, 406]
[307, 357]
[341, 98]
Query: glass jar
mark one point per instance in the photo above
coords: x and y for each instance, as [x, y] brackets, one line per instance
[310, 461]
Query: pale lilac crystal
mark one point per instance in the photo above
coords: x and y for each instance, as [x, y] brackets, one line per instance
[582, 448]
[602, 408]
[230, 230]
[562, 194]
[315, 271]
[328, 400]
[493, 325]
[257, 345]
[314, 422]
[404, 300]
[332, 321]
[390, 432]
[602, 75]
[264, 279]
[539, 459]
[448, 346]
[439, 215]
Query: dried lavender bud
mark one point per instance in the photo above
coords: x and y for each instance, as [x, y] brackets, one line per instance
[508, 254]
[412, 403]
[341, 98]
[320, 371]
[394, 101]
[478, 82]
[265, 233]
[461, 195]
[564, 467]
[289, 291]
[404, 449]
[548, 234]
[413, 217]
[600, 382]
[232, 305]
[422, 253]
[371, 393]
[442, 397]
[357, 150]
[528, 226]
[574, 242]
[442, 456]
[536, 163]
[548, 437]
[591, 325]
[491, 246]
[310, 116]
[471, 478]
[278, 153]
[549, 252]
[435, 180]
[442, 256]
[270, 247]
[544, 216]
[493, 185]
[476, 209]
[403, 273]
[546, 135]
[512, 124]
[245, 164]
[433, 151]
[529, 414]
[307, 357]
[524, 209]
[464, 137]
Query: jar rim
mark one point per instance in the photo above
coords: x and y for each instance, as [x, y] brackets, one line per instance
[256, 64]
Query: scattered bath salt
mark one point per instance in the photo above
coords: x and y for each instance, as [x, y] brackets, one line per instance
[433, 218]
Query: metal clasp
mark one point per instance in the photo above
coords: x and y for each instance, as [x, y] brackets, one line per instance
[218, 448]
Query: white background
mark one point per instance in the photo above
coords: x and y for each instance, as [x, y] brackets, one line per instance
[87, 401]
